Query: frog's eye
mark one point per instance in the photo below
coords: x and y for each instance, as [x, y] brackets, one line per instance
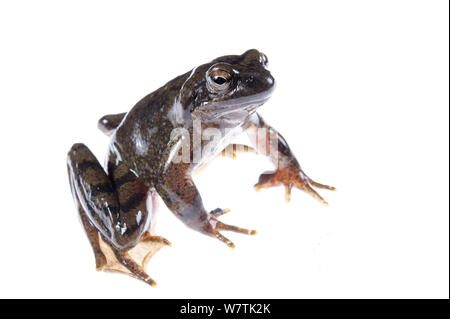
[218, 79]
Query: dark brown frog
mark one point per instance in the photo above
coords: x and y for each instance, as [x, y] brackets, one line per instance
[156, 147]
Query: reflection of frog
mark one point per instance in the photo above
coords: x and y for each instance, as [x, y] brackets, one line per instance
[223, 95]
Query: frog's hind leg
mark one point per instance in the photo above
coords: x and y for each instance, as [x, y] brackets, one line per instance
[132, 262]
[97, 199]
[93, 237]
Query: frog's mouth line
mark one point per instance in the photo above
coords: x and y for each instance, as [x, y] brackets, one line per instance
[221, 111]
[249, 104]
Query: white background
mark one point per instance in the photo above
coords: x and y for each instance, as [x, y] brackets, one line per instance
[362, 99]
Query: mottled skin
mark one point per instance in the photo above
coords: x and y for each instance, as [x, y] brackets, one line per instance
[222, 95]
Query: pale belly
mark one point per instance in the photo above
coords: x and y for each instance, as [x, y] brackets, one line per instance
[215, 144]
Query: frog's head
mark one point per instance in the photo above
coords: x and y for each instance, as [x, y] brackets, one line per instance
[231, 86]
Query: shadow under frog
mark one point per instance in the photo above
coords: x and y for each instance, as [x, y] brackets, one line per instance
[116, 204]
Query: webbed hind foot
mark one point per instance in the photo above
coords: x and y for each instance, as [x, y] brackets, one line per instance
[133, 261]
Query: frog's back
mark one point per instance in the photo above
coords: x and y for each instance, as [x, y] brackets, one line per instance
[143, 134]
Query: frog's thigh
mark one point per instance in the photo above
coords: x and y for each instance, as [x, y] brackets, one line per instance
[92, 189]
[133, 217]
[115, 204]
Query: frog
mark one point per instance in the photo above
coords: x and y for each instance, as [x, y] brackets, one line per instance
[155, 149]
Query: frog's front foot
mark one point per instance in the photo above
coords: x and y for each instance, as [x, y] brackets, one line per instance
[291, 176]
[212, 226]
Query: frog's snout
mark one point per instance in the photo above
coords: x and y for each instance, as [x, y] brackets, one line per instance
[270, 81]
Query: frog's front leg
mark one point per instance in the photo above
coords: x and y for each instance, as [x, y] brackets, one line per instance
[113, 212]
[269, 142]
[181, 196]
